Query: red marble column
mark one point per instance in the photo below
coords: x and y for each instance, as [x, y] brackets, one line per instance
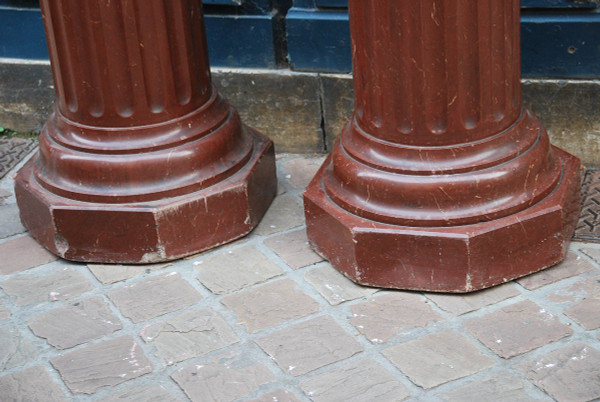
[441, 180]
[142, 160]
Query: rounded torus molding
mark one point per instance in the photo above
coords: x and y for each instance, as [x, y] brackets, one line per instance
[142, 160]
[442, 180]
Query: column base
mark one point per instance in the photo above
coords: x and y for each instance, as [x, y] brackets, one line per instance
[154, 231]
[453, 259]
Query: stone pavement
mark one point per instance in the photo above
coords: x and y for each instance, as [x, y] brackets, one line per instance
[265, 319]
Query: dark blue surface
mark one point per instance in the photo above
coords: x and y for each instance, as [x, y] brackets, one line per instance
[233, 40]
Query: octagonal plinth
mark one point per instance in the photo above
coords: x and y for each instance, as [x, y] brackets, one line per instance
[153, 231]
[445, 259]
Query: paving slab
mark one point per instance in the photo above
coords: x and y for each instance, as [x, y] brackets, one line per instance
[23, 253]
[572, 265]
[363, 380]
[309, 345]
[459, 304]
[569, 374]
[11, 223]
[112, 273]
[438, 358]
[335, 287]
[286, 212]
[109, 363]
[155, 296]
[60, 285]
[221, 382]
[500, 387]
[75, 323]
[300, 171]
[31, 385]
[294, 249]
[189, 335]
[4, 313]
[270, 305]
[587, 312]
[15, 350]
[235, 269]
[276, 396]
[383, 317]
[141, 394]
[517, 329]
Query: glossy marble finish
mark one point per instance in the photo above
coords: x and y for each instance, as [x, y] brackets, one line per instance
[142, 154]
[440, 166]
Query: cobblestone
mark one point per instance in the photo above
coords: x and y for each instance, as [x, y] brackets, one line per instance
[571, 373]
[270, 305]
[11, 223]
[155, 296]
[363, 380]
[308, 346]
[235, 269]
[518, 328]
[106, 363]
[294, 249]
[335, 287]
[61, 285]
[438, 358]
[189, 335]
[75, 324]
[383, 317]
[4, 313]
[276, 396]
[22, 253]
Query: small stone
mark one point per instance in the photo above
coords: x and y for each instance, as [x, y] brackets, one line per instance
[276, 396]
[14, 349]
[236, 269]
[155, 296]
[364, 380]
[106, 363]
[294, 249]
[572, 265]
[270, 305]
[309, 345]
[587, 312]
[32, 384]
[189, 335]
[302, 170]
[501, 387]
[459, 304]
[108, 274]
[141, 394]
[438, 358]
[76, 323]
[383, 317]
[11, 223]
[335, 287]
[23, 253]
[4, 313]
[215, 382]
[62, 285]
[517, 329]
[571, 373]
[286, 212]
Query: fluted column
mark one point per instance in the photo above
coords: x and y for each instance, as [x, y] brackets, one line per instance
[142, 154]
[440, 159]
